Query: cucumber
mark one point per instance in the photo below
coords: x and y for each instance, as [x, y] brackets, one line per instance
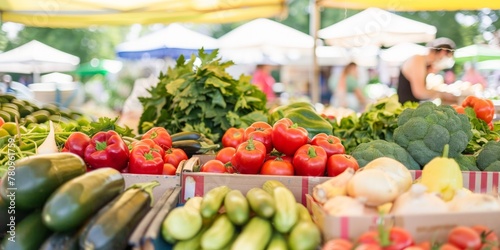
[261, 202]
[10, 105]
[78, 199]
[304, 236]
[9, 97]
[113, 225]
[37, 177]
[219, 234]
[41, 115]
[5, 116]
[29, 235]
[277, 242]
[303, 213]
[237, 207]
[181, 136]
[286, 214]
[190, 244]
[182, 223]
[212, 201]
[255, 235]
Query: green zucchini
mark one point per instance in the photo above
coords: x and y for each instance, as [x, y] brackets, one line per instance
[8, 212]
[182, 223]
[278, 242]
[78, 199]
[286, 214]
[219, 234]
[304, 236]
[62, 241]
[113, 225]
[192, 147]
[37, 177]
[261, 202]
[237, 207]
[30, 234]
[213, 200]
[303, 213]
[181, 136]
[255, 235]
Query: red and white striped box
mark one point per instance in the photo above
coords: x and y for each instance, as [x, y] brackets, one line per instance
[476, 181]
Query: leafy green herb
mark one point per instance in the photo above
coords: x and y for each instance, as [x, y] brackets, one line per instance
[377, 123]
[481, 133]
[105, 124]
[203, 98]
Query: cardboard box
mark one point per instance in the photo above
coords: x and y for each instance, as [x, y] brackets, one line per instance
[197, 183]
[421, 227]
[166, 182]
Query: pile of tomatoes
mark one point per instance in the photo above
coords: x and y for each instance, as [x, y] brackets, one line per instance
[459, 238]
[281, 149]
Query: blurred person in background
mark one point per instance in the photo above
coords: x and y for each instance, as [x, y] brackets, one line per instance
[412, 78]
[6, 85]
[472, 75]
[264, 80]
[346, 90]
[132, 108]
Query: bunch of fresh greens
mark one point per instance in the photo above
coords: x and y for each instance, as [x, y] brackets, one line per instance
[202, 98]
[481, 133]
[378, 122]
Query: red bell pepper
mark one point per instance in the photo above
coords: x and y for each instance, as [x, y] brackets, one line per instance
[148, 142]
[249, 157]
[145, 160]
[233, 137]
[107, 149]
[174, 156]
[484, 108]
[261, 131]
[310, 160]
[76, 144]
[331, 144]
[288, 136]
[160, 136]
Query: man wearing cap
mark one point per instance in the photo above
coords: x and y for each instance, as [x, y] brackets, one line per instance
[412, 85]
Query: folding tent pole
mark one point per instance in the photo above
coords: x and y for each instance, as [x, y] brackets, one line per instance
[314, 23]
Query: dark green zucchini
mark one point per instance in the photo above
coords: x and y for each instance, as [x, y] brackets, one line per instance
[62, 241]
[37, 177]
[7, 212]
[181, 136]
[192, 147]
[30, 234]
[113, 225]
[78, 199]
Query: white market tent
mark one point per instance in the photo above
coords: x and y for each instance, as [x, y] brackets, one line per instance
[171, 41]
[266, 41]
[375, 26]
[34, 58]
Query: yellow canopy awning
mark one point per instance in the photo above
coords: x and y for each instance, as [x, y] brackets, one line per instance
[84, 13]
[412, 5]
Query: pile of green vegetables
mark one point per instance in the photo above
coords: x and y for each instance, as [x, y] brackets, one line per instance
[378, 122]
[203, 98]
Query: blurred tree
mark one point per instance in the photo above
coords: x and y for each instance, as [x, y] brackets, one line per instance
[88, 43]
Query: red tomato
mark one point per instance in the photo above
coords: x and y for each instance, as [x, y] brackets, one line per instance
[464, 238]
[399, 239]
[2, 121]
[488, 236]
[233, 137]
[225, 154]
[261, 131]
[288, 136]
[448, 246]
[249, 157]
[425, 245]
[337, 244]
[213, 166]
[174, 156]
[148, 142]
[160, 136]
[309, 160]
[76, 143]
[169, 169]
[337, 164]
[331, 144]
[277, 166]
[414, 248]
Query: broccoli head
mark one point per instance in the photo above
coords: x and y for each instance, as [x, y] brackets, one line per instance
[466, 162]
[368, 151]
[424, 131]
[488, 158]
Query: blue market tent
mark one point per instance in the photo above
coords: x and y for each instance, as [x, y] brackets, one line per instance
[172, 41]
